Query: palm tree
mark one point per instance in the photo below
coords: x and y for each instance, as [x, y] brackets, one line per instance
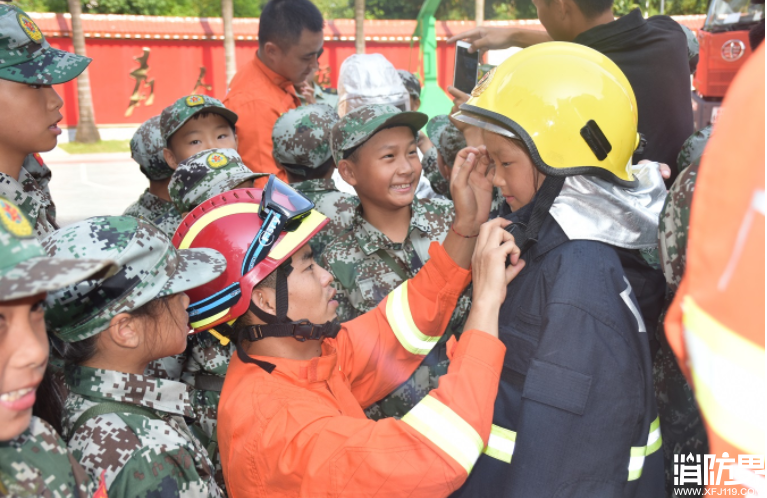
[359, 26]
[227, 12]
[86, 132]
[479, 11]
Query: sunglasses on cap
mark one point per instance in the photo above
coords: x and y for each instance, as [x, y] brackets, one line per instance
[282, 209]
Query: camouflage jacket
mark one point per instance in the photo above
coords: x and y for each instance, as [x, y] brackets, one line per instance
[336, 205]
[207, 357]
[38, 463]
[674, 224]
[34, 201]
[169, 222]
[431, 171]
[42, 174]
[140, 456]
[149, 206]
[363, 279]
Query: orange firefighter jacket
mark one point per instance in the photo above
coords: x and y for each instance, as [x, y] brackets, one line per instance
[301, 430]
[716, 324]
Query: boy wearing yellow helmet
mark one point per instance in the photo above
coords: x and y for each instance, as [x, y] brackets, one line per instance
[575, 411]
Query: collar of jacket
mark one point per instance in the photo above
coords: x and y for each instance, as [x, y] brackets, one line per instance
[318, 369]
[320, 185]
[371, 239]
[108, 385]
[550, 235]
[275, 78]
[617, 28]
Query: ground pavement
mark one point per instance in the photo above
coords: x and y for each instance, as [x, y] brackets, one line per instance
[86, 185]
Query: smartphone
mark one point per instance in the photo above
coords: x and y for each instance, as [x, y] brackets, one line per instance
[466, 67]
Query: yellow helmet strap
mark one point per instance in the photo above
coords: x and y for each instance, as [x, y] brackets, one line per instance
[526, 234]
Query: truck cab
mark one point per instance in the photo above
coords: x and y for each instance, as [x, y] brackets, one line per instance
[724, 47]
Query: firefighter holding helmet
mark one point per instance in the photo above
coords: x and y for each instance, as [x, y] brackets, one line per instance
[575, 405]
[290, 419]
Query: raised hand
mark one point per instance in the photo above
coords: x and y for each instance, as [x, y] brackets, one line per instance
[471, 187]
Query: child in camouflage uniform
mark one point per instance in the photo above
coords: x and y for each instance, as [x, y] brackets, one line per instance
[122, 424]
[301, 140]
[374, 147]
[28, 68]
[146, 148]
[202, 176]
[190, 125]
[681, 425]
[34, 461]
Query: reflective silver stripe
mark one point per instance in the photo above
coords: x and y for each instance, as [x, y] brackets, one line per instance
[626, 296]
[638, 453]
[501, 443]
[401, 321]
[448, 431]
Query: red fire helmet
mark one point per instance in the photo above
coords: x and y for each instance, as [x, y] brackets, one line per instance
[231, 223]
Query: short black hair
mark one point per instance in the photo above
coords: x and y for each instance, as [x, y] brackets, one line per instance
[283, 21]
[592, 8]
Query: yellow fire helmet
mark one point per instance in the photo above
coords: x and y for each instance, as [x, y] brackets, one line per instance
[572, 107]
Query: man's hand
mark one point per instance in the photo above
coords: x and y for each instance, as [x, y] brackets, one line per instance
[471, 187]
[307, 92]
[490, 274]
[488, 38]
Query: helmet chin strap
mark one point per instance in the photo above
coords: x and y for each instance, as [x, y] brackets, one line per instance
[280, 325]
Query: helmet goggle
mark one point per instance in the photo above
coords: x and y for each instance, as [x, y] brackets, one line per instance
[282, 209]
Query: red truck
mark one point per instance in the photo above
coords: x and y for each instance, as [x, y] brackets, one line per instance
[723, 49]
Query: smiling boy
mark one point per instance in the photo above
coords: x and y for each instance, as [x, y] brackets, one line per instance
[375, 150]
[31, 110]
[191, 125]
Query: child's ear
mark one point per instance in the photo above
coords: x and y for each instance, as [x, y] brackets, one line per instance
[265, 299]
[346, 170]
[170, 158]
[123, 332]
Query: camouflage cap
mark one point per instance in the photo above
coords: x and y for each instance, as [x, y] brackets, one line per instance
[301, 136]
[205, 174]
[451, 141]
[25, 269]
[25, 55]
[149, 267]
[178, 113]
[692, 148]
[693, 46]
[361, 123]
[436, 126]
[411, 83]
[146, 149]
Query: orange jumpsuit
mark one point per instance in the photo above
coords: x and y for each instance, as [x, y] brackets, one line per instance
[301, 431]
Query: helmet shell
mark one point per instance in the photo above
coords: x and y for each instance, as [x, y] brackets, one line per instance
[546, 94]
[228, 223]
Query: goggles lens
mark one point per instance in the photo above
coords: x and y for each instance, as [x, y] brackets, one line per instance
[282, 209]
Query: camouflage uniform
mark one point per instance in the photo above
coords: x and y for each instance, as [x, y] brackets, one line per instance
[42, 174]
[336, 205]
[178, 113]
[682, 428]
[169, 222]
[367, 265]
[146, 149]
[141, 454]
[301, 140]
[38, 463]
[33, 201]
